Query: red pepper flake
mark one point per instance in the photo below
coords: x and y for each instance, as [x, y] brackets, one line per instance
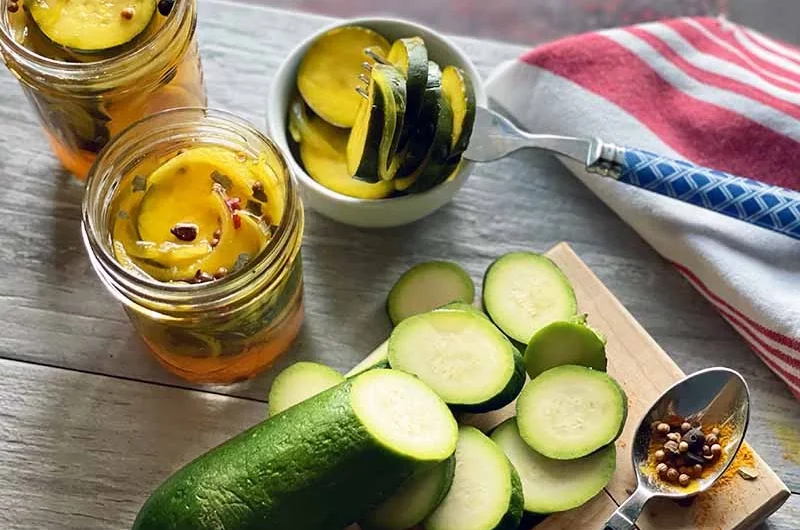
[234, 203]
[184, 231]
[237, 221]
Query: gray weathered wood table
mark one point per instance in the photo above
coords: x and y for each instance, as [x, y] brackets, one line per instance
[89, 423]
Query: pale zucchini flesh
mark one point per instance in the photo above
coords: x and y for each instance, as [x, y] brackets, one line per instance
[415, 500]
[571, 411]
[379, 358]
[463, 357]
[554, 485]
[486, 493]
[523, 292]
[299, 382]
[427, 286]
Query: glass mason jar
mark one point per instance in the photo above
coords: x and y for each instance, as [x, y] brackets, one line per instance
[84, 99]
[218, 331]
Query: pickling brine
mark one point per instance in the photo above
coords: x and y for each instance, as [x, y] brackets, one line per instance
[87, 84]
[193, 222]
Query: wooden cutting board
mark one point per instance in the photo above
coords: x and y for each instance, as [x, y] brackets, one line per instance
[644, 370]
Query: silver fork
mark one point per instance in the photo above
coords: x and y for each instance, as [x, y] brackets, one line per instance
[770, 207]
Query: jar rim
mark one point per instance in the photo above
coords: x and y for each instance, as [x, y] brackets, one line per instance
[79, 76]
[202, 294]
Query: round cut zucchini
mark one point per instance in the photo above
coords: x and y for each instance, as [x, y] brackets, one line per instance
[90, 25]
[328, 74]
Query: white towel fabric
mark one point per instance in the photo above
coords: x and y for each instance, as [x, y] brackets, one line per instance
[700, 89]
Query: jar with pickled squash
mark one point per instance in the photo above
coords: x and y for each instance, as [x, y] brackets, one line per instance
[92, 68]
[194, 223]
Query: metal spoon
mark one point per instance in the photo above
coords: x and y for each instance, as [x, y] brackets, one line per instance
[716, 396]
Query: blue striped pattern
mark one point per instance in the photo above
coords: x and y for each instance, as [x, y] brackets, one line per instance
[767, 206]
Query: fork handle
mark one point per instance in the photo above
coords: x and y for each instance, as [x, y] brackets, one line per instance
[771, 207]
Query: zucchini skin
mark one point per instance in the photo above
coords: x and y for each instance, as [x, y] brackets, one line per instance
[312, 467]
[505, 396]
[368, 164]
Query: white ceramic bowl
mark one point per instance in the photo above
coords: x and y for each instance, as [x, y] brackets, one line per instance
[361, 212]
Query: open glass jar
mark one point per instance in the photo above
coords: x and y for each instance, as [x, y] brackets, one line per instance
[93, 84]
[169, 167]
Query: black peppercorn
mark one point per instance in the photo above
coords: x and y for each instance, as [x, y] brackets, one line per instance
[695, 438]
[165, 7]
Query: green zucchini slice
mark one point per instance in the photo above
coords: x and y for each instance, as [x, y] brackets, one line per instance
[299, 382]
[486, 493]
[463, 357]
[458, 89]
[379, 358]
[414, 501]
[523, 292]
[561, 343]
[571, 411]
[427, 286]
[410, 56]
[549, 485]
[373, 141]
[328, 74]
[91, 25]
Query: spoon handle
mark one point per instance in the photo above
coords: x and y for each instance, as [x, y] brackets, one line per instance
[627, 513]
[770, 207]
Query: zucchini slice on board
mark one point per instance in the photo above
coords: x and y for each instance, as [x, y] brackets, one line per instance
[322, 151]
[427, 286]
[486, 493]
[379, 358]
[410, 56]
[562, 343]
[328, 73]
[299, 382]
[91, 26]
[523, 292]
[458, 90]
[414, 501]
[554, 485]
[461, 356]
[571, 411]
[314, 466]
[461, 306]
[373, 141]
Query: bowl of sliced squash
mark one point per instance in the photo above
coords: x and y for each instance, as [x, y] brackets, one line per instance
[375, 114]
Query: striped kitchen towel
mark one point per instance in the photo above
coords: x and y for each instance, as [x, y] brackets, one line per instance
[702, 89]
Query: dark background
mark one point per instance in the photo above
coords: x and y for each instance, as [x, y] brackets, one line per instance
[535, 21]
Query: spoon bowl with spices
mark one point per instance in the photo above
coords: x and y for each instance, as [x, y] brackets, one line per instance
[687, 440]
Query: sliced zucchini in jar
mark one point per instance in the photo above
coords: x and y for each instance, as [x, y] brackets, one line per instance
[373, 141]
[459, 92]
[328, 74]
[90, 25]
[410, 56]
[322, 150]
[463, 357]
